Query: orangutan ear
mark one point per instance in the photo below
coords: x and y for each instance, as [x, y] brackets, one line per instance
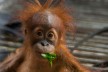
[25, 31]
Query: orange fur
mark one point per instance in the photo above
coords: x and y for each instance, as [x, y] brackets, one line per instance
[61, 11]
[26, 59]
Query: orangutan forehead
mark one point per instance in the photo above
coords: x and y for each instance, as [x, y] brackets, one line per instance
[47, 19]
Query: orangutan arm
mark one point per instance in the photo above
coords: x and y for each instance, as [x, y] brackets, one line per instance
[70, 63]
[12, 61]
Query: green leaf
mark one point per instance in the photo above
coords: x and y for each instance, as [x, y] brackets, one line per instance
[44, 55]
[50, 57]
[50, 63]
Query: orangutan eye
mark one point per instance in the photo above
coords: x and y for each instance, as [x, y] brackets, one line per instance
[39, 33]
[50, 35]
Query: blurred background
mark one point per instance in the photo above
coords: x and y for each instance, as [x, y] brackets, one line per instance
[91, 39]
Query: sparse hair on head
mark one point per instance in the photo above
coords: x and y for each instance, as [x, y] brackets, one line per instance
[54, 6]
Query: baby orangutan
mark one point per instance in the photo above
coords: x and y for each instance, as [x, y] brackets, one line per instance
[44, 27]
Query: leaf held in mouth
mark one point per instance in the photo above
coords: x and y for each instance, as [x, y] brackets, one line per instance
[50, 57]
